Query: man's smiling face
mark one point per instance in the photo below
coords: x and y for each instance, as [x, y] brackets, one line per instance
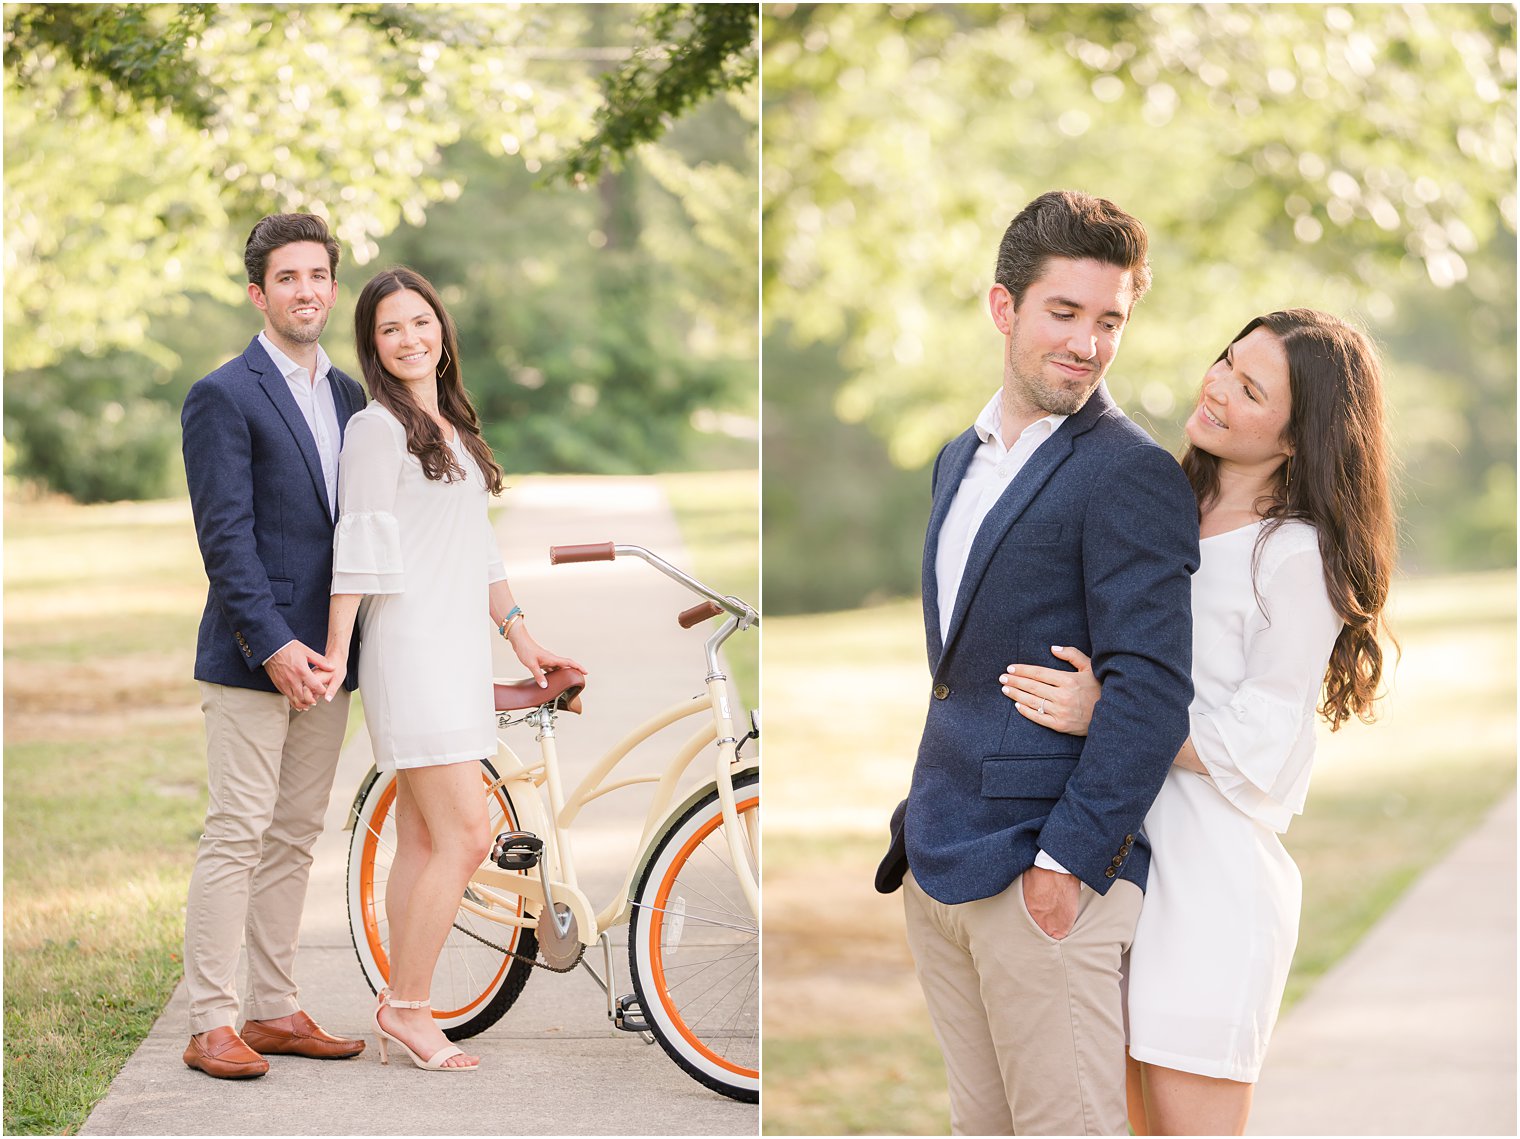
[298, 293]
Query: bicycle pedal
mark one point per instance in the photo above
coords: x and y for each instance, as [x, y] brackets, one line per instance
[628, 1015]
[517, 850]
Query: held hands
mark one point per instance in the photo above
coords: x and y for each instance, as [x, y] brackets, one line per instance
[535, 658]
[339, 671]
[302, 675]
[1054, 698]
[1051, 899]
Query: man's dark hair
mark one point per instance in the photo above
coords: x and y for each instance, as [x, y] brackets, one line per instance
[278, 230]
[1068, 223]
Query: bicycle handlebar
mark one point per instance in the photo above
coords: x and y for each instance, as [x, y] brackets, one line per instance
[586, 552]
[698, 613]
[744, 614]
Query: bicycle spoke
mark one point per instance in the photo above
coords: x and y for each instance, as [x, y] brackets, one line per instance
[688, 887]
[718, 1000]
[749, 1035]
[750, 929]
[701, 967]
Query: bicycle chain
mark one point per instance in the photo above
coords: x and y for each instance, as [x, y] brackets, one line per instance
[570, 968]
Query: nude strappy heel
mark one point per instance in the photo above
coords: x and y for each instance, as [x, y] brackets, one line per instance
[435, 1062]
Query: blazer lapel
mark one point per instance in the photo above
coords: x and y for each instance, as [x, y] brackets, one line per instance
[1025, 486]
[278, 391]
[951, 469]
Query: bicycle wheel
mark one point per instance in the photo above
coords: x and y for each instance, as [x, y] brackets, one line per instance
[475, 981]
[693, 947]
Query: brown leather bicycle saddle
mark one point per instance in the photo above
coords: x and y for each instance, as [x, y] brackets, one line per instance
[565, 685]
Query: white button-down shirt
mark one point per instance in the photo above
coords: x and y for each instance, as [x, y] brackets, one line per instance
[992, 468]
[314, 396]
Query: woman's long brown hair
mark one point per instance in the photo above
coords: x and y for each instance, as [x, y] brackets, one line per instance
[1339, 480]
[423, 438]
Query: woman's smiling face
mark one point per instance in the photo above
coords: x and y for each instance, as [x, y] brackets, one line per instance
[408, 337]
[1244, 407]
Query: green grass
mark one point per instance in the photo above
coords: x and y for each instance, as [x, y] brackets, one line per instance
[719, 516]
[104, 776]
[843, 1010]
[858, 1085]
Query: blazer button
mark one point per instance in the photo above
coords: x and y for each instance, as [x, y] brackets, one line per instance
[941, 691]
[1110, 872]
[1118, 860]
[1129, 838]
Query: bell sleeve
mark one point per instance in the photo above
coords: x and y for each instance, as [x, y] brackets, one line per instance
[367, 541]
[1259, 747]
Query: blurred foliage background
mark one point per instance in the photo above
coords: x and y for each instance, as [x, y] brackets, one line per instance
[578, 180]
[1356, 158]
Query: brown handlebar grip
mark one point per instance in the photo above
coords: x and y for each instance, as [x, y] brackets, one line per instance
[699, 613]
[589, 552]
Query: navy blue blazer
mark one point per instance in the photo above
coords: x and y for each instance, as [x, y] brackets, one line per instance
[1092, 545]
[262, 517]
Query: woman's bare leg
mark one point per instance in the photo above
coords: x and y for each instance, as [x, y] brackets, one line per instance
[414, 845]
[449, 802]
[1181, 1103]
[1134, 1094]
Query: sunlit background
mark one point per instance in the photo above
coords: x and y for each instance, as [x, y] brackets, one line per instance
[1357, 158]
[608, 325]
[605, 328]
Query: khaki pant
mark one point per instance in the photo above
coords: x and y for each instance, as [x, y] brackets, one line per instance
[271, 772]
[1032, 1028]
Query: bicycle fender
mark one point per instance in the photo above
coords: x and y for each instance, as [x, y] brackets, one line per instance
[669, 821]
[364, 786]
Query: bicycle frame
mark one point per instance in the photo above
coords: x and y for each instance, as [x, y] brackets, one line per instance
[529, 785]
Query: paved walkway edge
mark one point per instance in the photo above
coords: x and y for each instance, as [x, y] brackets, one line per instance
[1413, 1031]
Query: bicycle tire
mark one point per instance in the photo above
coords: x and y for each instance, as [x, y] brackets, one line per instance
[474, 984]
[693, 948]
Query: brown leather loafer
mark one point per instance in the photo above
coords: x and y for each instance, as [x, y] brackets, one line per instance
[223, 1054]
[297, 1035]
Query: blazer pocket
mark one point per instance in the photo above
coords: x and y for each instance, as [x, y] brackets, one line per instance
[1034, 533]
[284, 590]
[1026, 776]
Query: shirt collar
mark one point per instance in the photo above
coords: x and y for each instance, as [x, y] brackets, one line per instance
[989, 424]
[289, 367]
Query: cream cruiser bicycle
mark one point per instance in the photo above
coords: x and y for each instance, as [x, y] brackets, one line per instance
[690, 896]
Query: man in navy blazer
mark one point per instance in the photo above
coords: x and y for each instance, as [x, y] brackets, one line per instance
[262, 436]
[1056, 522]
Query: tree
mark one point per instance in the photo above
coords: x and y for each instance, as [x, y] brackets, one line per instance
[691, 51]
[142, 142]
[1359, 159]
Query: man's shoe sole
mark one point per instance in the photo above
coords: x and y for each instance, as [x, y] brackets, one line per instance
[228, 1075]
[286, 1051]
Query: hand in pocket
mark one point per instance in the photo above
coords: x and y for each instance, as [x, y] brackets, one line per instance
[1051, 899]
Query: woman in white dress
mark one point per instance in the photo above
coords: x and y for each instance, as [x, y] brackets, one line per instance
[1288, 459]
[416, 562]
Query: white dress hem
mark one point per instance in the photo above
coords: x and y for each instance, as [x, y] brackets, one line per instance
[1213, 1068]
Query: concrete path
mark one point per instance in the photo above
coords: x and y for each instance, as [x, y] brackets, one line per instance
[1413, 1031]
[553, 1065]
